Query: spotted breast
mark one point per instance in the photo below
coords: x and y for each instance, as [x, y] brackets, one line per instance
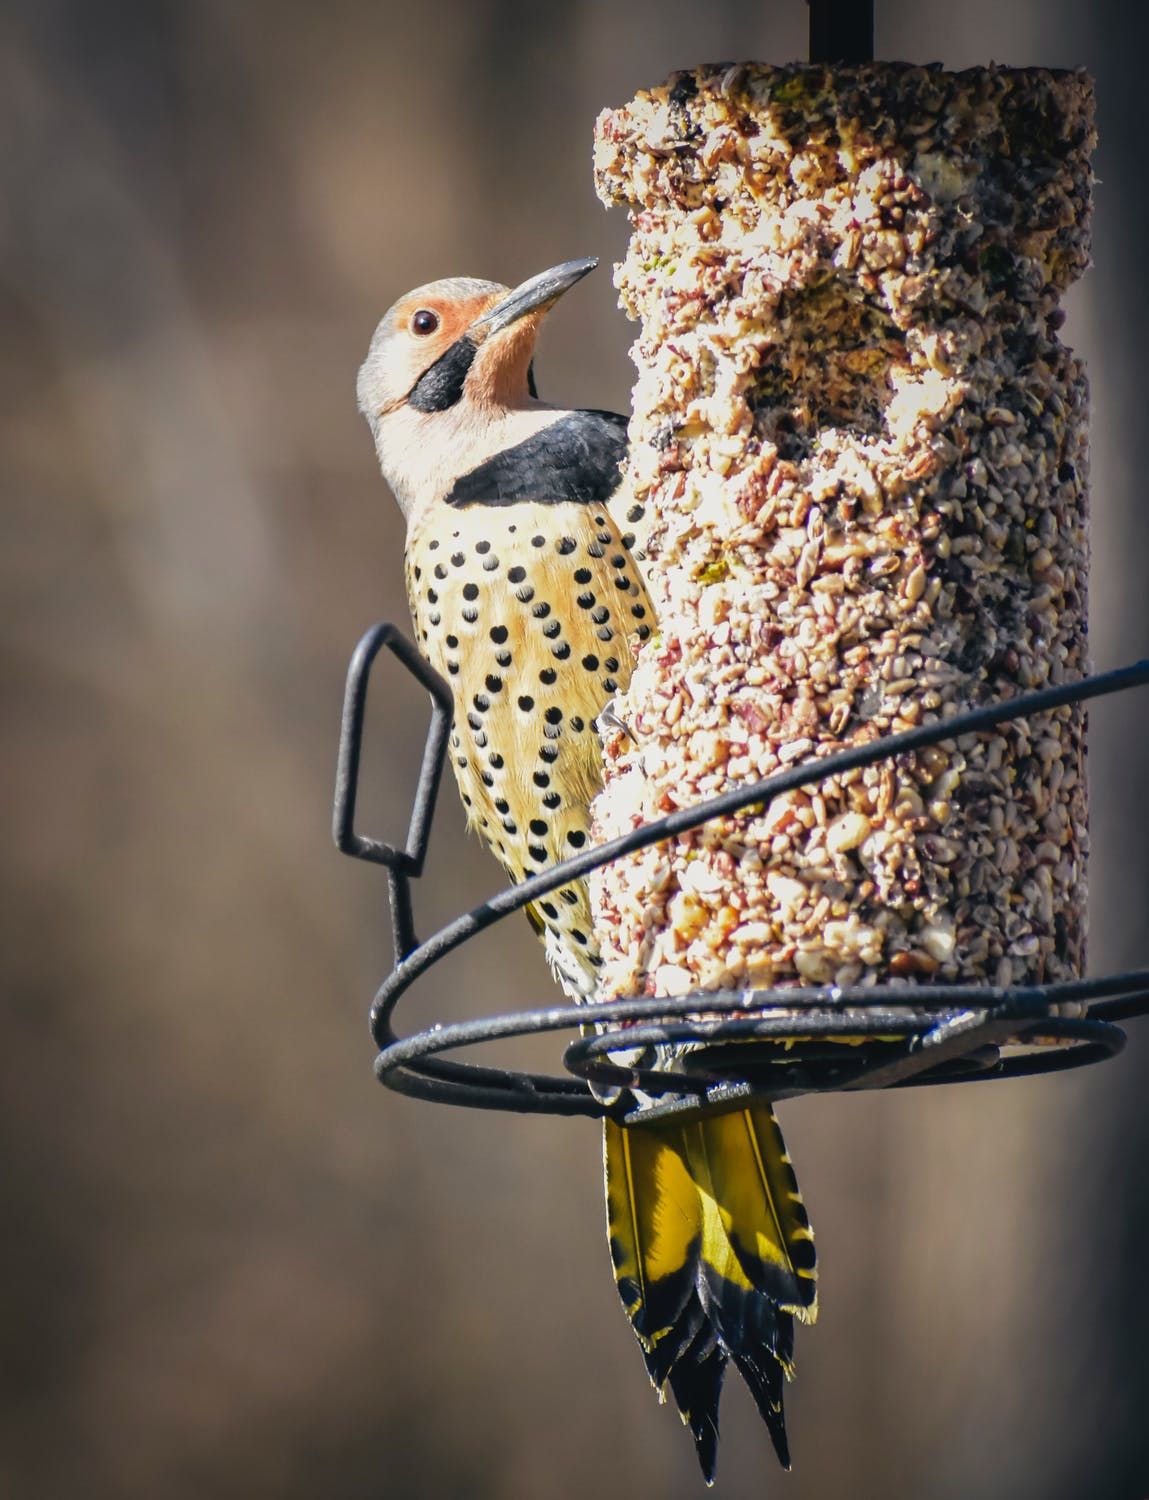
[527, 610]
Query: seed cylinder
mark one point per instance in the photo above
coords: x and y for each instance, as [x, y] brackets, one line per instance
[859, 472]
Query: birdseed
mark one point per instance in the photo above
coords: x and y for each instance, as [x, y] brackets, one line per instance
[859, 450]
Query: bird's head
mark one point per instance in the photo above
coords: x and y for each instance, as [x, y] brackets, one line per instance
[447, 380]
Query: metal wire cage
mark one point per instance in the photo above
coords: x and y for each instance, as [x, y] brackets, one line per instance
[899, 1034]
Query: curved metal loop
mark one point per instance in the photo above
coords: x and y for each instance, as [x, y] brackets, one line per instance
[738, 1045]
[410, 858]
[906, 1036]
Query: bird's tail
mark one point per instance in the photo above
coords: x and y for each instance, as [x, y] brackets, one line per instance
[714, 1259]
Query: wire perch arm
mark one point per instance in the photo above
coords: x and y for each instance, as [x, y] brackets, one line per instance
[947, 1033]
[406, 864]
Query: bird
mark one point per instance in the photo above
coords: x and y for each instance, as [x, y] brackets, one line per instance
[530, 601]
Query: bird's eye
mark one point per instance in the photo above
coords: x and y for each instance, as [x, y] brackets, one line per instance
[424, 322]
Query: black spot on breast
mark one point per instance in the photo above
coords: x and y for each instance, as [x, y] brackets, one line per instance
[569, 896]
[434, 618]
[490, 564]
[494, 684]
[482, 548]
[458, 559]
[541, 779]
[601, 615]
[432, 597]
[554, 715]
[638, 611]
[590, 663]
[576, 838]
[585, 601]
[503, 658]
[418, 574]
[498, 634]
[481, 702]
[480, 739]
[552, 630]
[595, 549]
[582, 575]
[516, 575]
[474, 720]
[551, 731]
[610, 685]
[538, 541]
[470, 591]
[538, 854]
[577, 724]
[495, 760]
[453, 668]
[611, 663]
[548, 909]
[562, 651]
[552, 799]
[525, 594]
[565, 545]
[579, 937]
[624, 584]
[618, 562]
[541, 610]
[643, 632]
[510, 826]
[502, 806]
[462, 762]
[433, 546]
[440, 571]
[549, 753]
[526, 703]
[470, 613]
[605, 633]
[548, 676]
[452, 642]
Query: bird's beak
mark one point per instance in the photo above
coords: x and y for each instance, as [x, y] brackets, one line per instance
[534, 295]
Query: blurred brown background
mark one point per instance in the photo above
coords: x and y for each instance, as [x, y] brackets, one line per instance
[233, 1265]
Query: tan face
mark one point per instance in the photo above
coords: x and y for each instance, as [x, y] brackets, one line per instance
[423, 326]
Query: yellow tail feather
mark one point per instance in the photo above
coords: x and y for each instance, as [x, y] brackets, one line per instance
[739, 1160]
[655, 1222]
[714, 1257]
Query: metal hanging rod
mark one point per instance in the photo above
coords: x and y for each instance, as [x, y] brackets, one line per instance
[841, 31]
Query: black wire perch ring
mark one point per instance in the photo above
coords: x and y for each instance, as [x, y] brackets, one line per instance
[900, 1034]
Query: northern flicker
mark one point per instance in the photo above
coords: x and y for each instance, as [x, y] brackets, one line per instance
[527, 598]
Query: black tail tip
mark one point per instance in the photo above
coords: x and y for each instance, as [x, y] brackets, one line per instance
[776, 1427]
[782, 1449]
[706, 1447]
